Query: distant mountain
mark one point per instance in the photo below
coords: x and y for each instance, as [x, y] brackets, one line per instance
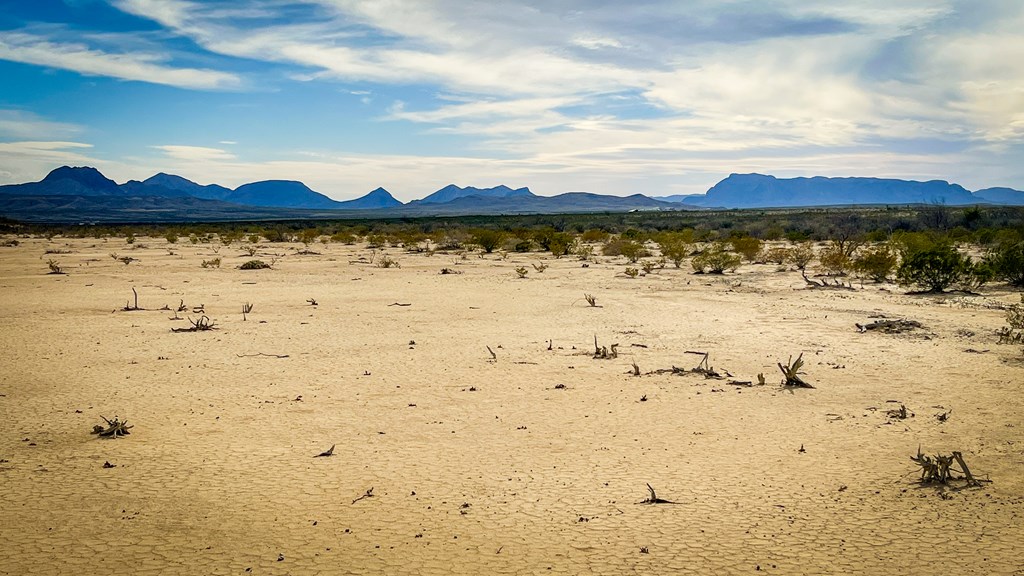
[681, 198]
[281, 194]
[176, 185]
[379, 198]
[1000, 196]
[452, 192]
[68, 180]
[761, 191]
[570, 202]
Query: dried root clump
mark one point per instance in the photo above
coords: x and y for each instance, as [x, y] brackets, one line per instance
[113, 429]
[938, 469]
[791, 373]
[200, 325]
[604, 352]
[890, 326]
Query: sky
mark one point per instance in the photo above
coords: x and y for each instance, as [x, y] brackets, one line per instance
[652, 97]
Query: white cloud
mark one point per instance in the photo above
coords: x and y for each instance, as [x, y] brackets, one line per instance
[30, 48]
[195, 153]
[21, 124]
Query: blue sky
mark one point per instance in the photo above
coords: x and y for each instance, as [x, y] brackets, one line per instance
[653, 97]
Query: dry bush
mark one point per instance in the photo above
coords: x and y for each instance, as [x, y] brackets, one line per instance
[214, 263]
[254, 265]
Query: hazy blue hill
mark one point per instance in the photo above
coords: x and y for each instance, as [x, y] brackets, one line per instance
[452, 192]
[681, 198]
[173, 183]
[280, 193]
[532, 204]
[67, 180]
[1000, 195]
[378, 198]
[759, 190]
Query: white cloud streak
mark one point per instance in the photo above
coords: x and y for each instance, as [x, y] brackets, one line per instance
[31, 48]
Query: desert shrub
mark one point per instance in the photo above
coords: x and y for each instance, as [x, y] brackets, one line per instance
[634, 250]
[715, 260]
[386, 261]
[800, 255]
[612, 247]
[583, 251]
[215, 263]
[254, 265]
[522, 271]
[54, 267]
[674, 248]
[1006, 262]
[561, 244]
[307, 236]
[834, 259]
[344, 238]
[875, 263]
[1013, 332]
[487, 240]
[935, 269]
[632, 272]
[775, 255]
[594, 235]
[171, 237]
[747, 247]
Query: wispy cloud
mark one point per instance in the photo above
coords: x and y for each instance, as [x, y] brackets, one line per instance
[195, 153]
[21, 124]
[31, 48]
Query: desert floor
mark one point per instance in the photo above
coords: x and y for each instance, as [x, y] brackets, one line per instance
[532, 462]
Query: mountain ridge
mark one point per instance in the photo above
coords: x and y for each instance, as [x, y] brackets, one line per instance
[69, 193]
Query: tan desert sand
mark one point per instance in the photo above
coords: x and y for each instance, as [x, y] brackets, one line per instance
[534, 461]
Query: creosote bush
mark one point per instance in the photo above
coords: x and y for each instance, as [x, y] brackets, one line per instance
[800, 255]
[1006, 262]
[935, 269]
[715, 260]
[876, 263]
[747, 247]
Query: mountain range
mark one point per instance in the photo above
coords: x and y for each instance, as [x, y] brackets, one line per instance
[83, 194]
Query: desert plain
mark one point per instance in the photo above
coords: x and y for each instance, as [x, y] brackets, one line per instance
[474, 432]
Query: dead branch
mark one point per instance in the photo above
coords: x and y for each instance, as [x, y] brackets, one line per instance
[327, 453]
[400, 304]
[113, 429]
[792, 373]
[129, 307]
[939, 468]
[368, 494]
[202, 324]
[494, 357]
[653, 498]
[889, 326]
[837, 285]
[261, 354]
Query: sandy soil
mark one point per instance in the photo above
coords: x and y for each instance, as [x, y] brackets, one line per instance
[481, 466]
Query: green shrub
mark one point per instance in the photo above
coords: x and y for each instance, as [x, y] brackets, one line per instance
[674, 248]
[633, 250]
[746, 246]
[775, 255]
[215, 263]
[488, 240]
[800, 255]
[715, 260]
[875, 263]
[935, 269]
[254, 265]
[1006, 262]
